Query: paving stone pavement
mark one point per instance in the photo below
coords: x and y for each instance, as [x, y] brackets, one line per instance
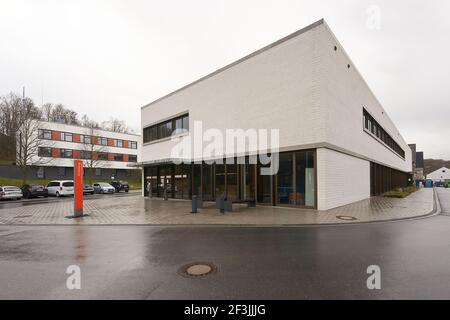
[138, 210]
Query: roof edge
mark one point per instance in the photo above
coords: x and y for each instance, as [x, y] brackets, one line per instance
[273, 44]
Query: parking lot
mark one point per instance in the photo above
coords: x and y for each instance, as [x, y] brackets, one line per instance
[4, 204]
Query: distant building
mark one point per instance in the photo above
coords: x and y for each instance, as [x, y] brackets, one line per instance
[417, 162]
[105, 154]
[441, 174]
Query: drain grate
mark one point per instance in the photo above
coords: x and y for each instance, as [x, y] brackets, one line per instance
[197, 269]
[346, 218]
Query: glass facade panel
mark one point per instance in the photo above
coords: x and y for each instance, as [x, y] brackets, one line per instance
[186, 181]
[294, 183]
[207, 182]
[248, 181]
[197, 180]
[264, 187]
[220, 180]
[285, 188]
[305, 178]
[232, 182]
[179, 179]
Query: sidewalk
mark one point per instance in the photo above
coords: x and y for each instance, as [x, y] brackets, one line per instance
[138, 210]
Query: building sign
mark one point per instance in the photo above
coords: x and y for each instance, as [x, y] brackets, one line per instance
[78, 185]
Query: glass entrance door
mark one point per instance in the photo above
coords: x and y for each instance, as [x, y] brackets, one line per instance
[165, 183]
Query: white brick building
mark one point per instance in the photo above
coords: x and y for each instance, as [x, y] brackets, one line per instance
[337, 143]
[105, 154]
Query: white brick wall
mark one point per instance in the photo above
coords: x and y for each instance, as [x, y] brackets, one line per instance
[343, 94]
[341, 179]
[273, 89]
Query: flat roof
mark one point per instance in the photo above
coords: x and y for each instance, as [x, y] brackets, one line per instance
[274, 44]
[84, 127]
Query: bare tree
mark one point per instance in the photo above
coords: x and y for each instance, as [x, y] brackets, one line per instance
[14, 110]
[28, 144]
[59, 113]
[115, 125]
[89, 123]
[92, 149]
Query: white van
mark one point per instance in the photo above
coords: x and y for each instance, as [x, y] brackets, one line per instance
[60, 188]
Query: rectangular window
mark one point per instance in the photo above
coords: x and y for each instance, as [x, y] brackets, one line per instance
[102, 141]
[166, 128]
[45, 134]
[65, 136]
[186, 122]
[102, 156]
[98, 172]
[66, 153]
[118, 157]
[133, 144]
[132, 158]
[85, 154]
[44, 152]
[86, 139]
[119, 143]
[372, 126]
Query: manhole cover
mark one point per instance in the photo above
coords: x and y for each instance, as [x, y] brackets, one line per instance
[197, 269]
[346, 218]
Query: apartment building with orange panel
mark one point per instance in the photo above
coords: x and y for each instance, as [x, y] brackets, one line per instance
[105, 154]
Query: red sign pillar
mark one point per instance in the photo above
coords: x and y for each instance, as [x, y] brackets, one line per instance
[78, 188]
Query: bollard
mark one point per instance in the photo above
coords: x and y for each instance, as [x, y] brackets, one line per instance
[222, 204]
[194, 204]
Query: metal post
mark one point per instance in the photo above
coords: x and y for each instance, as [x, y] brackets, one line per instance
[194, 204]
[165, 190]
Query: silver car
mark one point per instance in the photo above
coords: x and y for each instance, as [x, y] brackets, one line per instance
[10, 192]
[103, 187]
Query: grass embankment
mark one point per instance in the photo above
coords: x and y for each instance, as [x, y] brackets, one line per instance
[134, 184]
[400, 192]
[6, 162]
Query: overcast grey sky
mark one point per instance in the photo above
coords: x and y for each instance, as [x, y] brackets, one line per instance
[108, 58]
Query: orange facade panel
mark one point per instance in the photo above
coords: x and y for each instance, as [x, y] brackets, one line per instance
[56, 153]
[94, 140]
[110, 156]
[125, 157]
[76, 154]
[56, 135]
[110, 142]
[94, 155]
[126, 143]
[76, 137]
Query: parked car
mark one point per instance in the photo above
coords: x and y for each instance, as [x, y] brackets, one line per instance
[103, 187]
[34, 190]
[120, 186]
[87, 189]
[10, 192]
[447, 183]
[60, 188]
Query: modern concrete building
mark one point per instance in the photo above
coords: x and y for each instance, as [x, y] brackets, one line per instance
[417, 162]
[441, 174]
[337, 143]
[105, 154]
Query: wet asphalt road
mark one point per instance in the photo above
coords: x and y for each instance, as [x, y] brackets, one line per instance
[142, 262]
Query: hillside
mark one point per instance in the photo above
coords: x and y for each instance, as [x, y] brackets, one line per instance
[431, 165]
